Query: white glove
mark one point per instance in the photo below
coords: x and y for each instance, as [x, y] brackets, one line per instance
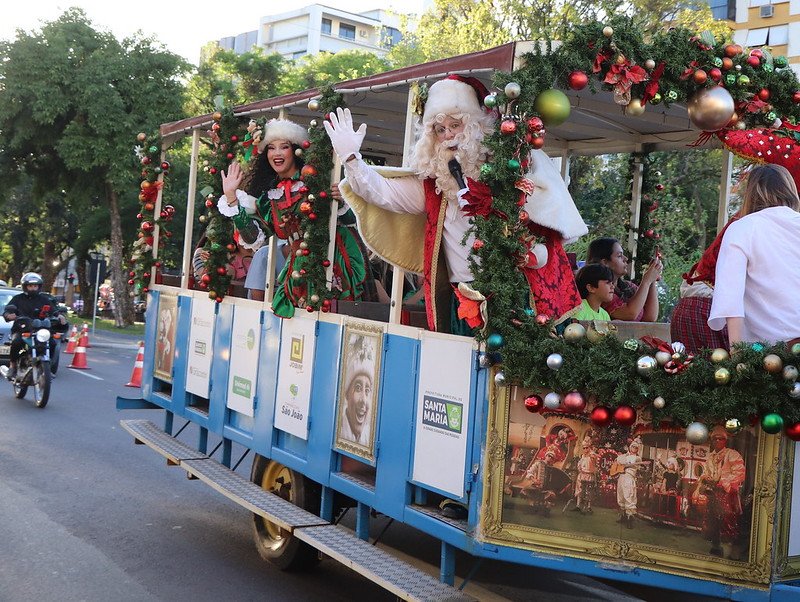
[462, 202]
[345, 140]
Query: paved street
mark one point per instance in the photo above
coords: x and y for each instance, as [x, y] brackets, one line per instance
[86, 515]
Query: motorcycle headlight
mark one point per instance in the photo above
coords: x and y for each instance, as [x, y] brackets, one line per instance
[43, 335]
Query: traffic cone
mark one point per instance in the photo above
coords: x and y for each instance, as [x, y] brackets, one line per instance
[136, 377]
[84, 340]
[73, 340]
[79, 359]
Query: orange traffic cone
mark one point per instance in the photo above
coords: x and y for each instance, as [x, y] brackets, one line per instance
[136, 377]
[73, 340]
[79, 359]
[84, 340]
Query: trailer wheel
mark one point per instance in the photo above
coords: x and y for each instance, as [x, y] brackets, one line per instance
[273, 543]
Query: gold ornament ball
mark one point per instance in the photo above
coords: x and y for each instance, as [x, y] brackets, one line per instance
[635, 108]
[790, 373]
[733, 426]
[552, 106]
[719, 355]
[574, 332]
[741, 368]
[313, 105]
[722, 376]
[141, 136]
[593, 336]
[608, 31]
[711, 108]
[772, 363]
[650, 64]
[216, 116]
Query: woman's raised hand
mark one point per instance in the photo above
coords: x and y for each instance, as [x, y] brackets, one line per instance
[231, 182]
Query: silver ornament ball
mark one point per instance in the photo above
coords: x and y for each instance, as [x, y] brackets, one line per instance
[574, 332]
[645, 365]
[552, 401]
[697, 433]
[500, 379]
[662, 357]
[659, 403]
[794, 392]
[790, 373]
[512, 90]
[555, 361]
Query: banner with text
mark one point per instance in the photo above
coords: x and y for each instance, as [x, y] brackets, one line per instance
[440, 441]
[245, 348]
[201, 339]
[293, 398]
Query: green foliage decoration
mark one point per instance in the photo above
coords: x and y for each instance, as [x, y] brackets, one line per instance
[606, 371]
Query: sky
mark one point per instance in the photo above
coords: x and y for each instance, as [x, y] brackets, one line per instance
[182, 26]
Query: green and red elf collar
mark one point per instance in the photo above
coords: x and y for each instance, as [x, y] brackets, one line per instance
[289, 186]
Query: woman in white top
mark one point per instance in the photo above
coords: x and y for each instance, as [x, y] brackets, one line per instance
[757, 275]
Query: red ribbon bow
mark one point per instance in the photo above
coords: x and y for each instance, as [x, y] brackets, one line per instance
[651, 88]
[479, 201]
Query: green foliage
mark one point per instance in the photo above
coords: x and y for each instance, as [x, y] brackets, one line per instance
[324, 69]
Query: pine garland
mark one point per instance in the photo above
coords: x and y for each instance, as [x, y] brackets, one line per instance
[148, 154]
[605, 372]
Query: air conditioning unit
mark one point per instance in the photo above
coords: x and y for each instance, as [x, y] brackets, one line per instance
[767, 10]
[362, 33]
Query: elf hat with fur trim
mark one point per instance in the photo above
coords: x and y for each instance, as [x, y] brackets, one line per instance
[282, 129]
[455, 95]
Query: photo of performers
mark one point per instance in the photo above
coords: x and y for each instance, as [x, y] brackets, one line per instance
[638, 483]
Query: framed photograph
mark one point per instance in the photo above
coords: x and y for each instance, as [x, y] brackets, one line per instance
[359, 379]
[165, 336]
[641, 495]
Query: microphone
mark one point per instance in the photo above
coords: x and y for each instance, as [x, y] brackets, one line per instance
[455, 170]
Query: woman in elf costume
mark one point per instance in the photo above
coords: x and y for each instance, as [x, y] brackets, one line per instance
[270, 204]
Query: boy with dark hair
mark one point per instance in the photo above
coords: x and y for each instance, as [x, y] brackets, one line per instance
[596, 286]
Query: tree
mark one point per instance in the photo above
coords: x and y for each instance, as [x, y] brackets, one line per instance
[325, 68]
[71, 103]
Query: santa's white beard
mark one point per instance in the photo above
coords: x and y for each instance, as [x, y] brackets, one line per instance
[467, 157]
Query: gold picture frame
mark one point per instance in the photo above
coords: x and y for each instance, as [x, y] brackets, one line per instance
[358, 397]
[165, 337]
[751, 566]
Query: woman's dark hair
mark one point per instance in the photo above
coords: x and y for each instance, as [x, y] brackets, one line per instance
[262, 177]
[592, 273]
[600, 248]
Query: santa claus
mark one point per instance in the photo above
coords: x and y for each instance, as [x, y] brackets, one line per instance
[415, 219]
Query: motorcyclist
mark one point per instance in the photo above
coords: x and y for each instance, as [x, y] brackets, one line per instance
[31, 303]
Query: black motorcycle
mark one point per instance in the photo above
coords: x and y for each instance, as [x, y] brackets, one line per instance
[33, 363]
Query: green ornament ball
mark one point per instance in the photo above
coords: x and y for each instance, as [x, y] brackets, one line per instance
[215, 246]
[490, 100]
[757, 347]
[780, 62]
[772, 423]
[744, 80]
[153, 149]
[656, 99]
[796, 349]
[495, 340]
[631, 344]
[486, 170]
[770, 116]
[514, 164]
[672, 95]
[717, 61]
[768, 68]
[730, 79]
[552, 106]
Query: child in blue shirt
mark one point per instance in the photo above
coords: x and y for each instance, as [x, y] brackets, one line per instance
[596, 286]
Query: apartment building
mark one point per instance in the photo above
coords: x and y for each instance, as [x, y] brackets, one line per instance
[773, 23]
[317, 28]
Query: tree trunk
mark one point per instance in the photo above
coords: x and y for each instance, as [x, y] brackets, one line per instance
[48, 270]
[123, 305]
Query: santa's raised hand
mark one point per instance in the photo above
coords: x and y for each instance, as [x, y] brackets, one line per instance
[346, 140]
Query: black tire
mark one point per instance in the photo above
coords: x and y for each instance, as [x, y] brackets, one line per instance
[55, 359]
[41, 376]
[273, 543]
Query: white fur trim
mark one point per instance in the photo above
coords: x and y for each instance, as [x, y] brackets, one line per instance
[451, 97]
[244, 200]
[282, 129]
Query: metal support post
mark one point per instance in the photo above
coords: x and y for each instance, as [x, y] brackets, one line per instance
[227, 448]
[447, 567]
[168, 419]
[326, 504]
[202, 444]
[362, 521]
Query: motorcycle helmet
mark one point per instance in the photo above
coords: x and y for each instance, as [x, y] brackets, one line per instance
[31, 278]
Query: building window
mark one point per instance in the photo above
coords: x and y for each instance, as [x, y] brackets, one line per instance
[391, 36]
[327, 27]
[774, 36]
[348, 32]
[297, 55]
[723, 9]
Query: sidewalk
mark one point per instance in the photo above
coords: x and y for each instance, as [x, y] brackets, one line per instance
[113, 340]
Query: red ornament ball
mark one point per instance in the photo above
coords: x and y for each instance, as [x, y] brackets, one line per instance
[221, 270]
[212, 171]
[756, 52]
[477, 245]
[625, 415]
[753, 61]
[574, 401]
[542, 319]
[131, 274]
[308, 171]
[306, 144]
[322, 194]
[165, 165]
[600, 416]
[312, 216]
[139, 216]
[578, 80]
[157, 264]
[145, 289]
[537, 142]
[508, 127]
[234, 138]
[146, 275]
[147, 226]
[326, 263]
[229, 156]
[796, 97]
[209, 203]
[146, 160]
[700, 77]
[309, 309]
[130, 282]
[715, 74]
[534, 403]
[763, 94]
[305, 207]
[792, 431]
[205, 278]
[535, 124]
[326, 303]
[731, 50]
[659, 187]
[727, 64]
[649, 233]
[218, 299]
[231, 247]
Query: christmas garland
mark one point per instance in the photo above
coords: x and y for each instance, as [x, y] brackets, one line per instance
[148, 153]
[725, 87]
